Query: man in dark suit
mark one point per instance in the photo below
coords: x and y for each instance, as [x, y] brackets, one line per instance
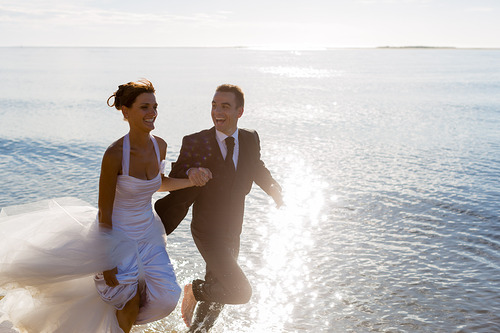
[233, 157]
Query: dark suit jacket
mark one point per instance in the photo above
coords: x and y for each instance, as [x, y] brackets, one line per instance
[218, 206]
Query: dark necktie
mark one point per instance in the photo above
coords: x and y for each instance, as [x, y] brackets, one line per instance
[229, 157]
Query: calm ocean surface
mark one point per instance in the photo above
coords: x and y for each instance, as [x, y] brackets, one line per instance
[389, 160]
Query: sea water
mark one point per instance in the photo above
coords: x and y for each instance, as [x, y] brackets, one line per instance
[389, 160]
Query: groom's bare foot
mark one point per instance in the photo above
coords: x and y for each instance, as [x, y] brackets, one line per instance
[188, 304]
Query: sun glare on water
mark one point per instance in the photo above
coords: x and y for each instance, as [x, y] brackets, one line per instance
[282, 276]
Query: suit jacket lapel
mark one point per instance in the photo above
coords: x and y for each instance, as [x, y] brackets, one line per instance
[243, 155]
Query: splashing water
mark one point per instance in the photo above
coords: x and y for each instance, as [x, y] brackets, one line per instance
[277, 263]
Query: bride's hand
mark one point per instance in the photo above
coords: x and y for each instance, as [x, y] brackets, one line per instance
[110, 277]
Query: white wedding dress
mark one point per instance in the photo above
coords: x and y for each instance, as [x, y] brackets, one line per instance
[50, 252]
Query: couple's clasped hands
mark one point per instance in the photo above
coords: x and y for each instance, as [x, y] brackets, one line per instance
[199, 176]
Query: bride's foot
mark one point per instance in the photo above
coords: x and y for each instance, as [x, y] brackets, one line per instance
[188, 304]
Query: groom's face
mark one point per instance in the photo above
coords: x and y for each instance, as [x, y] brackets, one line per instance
[225, 113]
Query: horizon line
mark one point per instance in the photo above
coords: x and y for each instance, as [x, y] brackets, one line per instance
[267, 48]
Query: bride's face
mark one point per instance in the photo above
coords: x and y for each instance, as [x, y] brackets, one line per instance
[142, 114]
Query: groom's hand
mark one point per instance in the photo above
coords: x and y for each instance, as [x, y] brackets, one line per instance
[199, 176]
[275, 193]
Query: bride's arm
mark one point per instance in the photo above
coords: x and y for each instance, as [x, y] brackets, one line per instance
[110, 168]
[171, 184]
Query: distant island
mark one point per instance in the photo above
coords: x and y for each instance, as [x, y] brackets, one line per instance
[416, 47]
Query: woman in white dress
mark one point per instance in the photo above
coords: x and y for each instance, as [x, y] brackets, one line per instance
[47, 280]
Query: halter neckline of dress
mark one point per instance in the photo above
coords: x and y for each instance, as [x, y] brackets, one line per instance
[126, 158]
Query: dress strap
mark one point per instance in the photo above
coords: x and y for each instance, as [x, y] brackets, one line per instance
[126, 155]
[157, 149]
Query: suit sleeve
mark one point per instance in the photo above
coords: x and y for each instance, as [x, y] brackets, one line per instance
[183, 163]
[173, 208]
[262, 176]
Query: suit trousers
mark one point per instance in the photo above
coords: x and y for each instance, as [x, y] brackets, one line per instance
[224, 281]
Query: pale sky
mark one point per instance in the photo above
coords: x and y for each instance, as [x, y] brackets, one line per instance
[253, 23]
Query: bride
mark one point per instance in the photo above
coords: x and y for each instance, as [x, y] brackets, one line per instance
[50, 251]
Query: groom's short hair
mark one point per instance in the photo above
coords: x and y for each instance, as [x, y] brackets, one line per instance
[238, 93]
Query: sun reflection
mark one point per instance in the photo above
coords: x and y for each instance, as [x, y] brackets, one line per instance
[300, 72]
[286, 242]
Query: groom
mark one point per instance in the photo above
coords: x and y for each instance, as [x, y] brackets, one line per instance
[233, 157]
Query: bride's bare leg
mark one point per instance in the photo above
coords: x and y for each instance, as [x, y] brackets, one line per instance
[126, 316]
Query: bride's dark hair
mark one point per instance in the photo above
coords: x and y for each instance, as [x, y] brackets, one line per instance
[128, 92]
